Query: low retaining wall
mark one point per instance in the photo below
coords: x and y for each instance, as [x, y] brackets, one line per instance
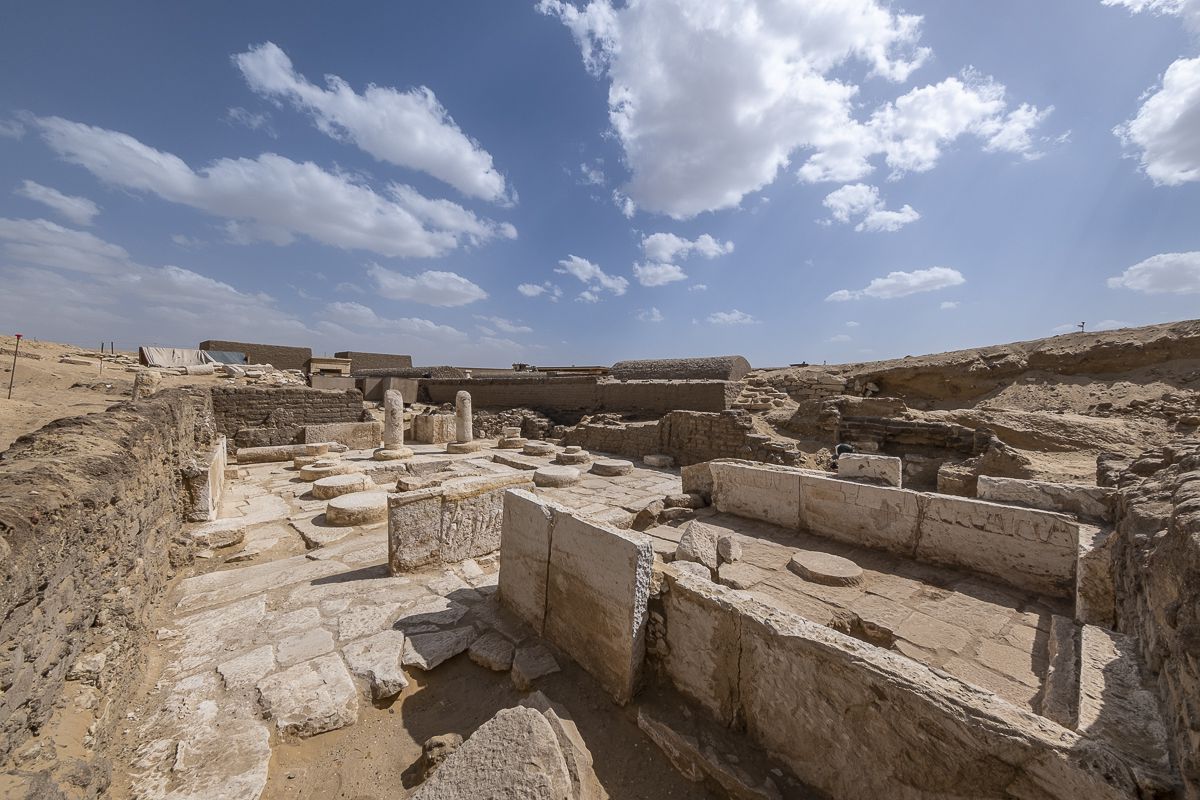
[582, 394]
[90, 508]
[262, 417]
[1029, 549]
[855, 720]
[449, 523]
[1088, 502]
[583, 586]
[689, 437]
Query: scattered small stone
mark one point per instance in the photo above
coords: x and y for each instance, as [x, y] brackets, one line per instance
[530, 663]
[492, 651]
[436, 750]
[729, 549]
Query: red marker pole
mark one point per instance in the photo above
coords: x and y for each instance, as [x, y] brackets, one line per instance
[13, 376]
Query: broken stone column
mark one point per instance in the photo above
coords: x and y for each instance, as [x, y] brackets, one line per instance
[464, 421]
[145, 384]
[393, 428]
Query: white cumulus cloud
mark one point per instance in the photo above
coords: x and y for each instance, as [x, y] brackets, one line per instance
[1165, 133]
[902, 284]
[357, 315]
[667, 247]
[651, 314]
[658, 274]
[550, 290]
[432, 287]
[410, 128]
[504, 325]
[273, 198]
[733, 317]
[593, 276]
[1166, 273]
[79, 210]
[858, 200]
[1189, 10]
[711, 101]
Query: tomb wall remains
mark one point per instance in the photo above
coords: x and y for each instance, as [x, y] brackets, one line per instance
[261, 417]
[1156, 562]
[277, 355]
[90, 509]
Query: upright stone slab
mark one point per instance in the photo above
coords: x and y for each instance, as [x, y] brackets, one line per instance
[597, 592]
[884, 470]
[525, 555]
[393, 428]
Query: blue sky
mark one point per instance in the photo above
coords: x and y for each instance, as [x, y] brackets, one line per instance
[558, 183]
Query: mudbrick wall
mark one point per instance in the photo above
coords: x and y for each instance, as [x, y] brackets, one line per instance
[688, 436]
[89, 512]
[278, 356]
[1157, 567]
[261, 417]
[586, 394]
[375, 360]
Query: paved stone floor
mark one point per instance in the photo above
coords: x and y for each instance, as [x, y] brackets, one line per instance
[978, 630]
[297, 625]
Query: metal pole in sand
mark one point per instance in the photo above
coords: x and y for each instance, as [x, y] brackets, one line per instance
[13, 376]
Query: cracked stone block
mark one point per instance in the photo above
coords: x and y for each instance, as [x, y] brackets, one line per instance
[311, 697]
[379, 659]
[427, 650]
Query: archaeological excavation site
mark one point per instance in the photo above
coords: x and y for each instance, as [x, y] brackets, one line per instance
[967, 575]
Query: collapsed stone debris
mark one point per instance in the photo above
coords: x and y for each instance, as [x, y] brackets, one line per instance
[231, 589]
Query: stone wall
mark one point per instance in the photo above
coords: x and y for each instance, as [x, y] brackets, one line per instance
[687, 436]
[261, 417]
[585, 393]
[1157, 565]
[714, 368]
[583, 586]
[278, 356]
[448, 523]
[1025, 548]
[855, 720]
[375, 360]
[801, 384]
[90, 509]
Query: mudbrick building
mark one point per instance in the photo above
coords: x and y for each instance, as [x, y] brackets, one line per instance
[953, 576]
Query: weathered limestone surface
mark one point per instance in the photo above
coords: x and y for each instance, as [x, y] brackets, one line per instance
[855, 720]
[433, 428]
[825, 568]
[1060, 695]
[1156, 559]
[1114, 706]
[527, 527]
[282, 452]
[378, 659]
[885, 470]
[310, 698]
[204, 481]
[357, 508]
[448, 523]
[1088, 502]
[551, 476]
[699, 544]
[758, 492]
[463, 418]
[428, 650]
[1026, 548]
[1095, 587]
[514, 756]
[336, 485]
[596, 600]
[355, 435]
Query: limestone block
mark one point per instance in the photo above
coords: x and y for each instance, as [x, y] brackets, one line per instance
[145, 382]
[492, 651]
[885, 470]
[684, 500]
[219, 533]
[729, 549]
[303, 646]
[612, 467]
[1061, 690]
[337, 485]
[514, 755]
[472, 446]
[530, 662]
[596, 600]
[427, 650]
[556, 476]
[433, 428]
[825, 568]
[378, 659]
[658, 460]
[1088, 502]
[697, 479]
[247, 669]
[525, 555]
[310, 698]
[699, 544]
[355, 435]
[573, 455]
[1029, 549]
[322, 469]
[860, 514]
[538, 449]
[758, 492]
[1095, 590]
[265, 455]
[357, 508]
[1114, 705]
[458, 520]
